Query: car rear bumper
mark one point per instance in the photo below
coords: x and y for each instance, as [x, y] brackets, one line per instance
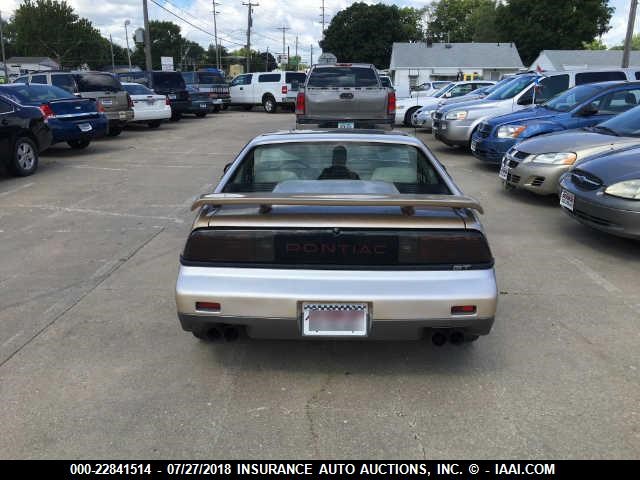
[152, 114]
[402, 303]
[121, 116]
[180, 106]
[387, 122]
[68, 130]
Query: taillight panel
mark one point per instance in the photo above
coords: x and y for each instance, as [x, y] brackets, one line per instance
[326, 248]
[300, 104]
[391, 103]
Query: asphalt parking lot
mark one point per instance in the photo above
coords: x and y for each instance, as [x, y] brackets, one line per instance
[93, 363]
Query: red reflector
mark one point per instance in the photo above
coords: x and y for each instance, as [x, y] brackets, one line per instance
[391, 103]
[284, 90]
[208, 306]
[463, 310]
[300, 105]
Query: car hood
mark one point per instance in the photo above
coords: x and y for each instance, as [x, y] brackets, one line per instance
[465, 98]
[523, 116]
[614, 167]
[582, 142]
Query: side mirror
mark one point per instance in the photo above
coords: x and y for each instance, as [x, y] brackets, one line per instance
[227, 166]
[587, 110]
[525, 100]
[447, 95]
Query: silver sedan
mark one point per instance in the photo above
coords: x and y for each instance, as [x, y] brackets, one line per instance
[537, 164]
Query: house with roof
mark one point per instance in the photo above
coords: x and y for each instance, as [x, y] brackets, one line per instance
[32, 64]
[555, 60]
[415, 63]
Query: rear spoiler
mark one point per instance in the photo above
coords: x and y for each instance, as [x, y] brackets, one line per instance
[407, 202]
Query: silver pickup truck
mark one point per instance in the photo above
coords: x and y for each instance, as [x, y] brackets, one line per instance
[345, 95]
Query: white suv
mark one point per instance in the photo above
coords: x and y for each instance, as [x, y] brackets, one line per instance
[269, 89]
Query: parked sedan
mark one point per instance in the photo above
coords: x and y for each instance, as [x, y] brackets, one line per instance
[74, 120]
[581, 106]
[537, 164]
[604, 193]
[316, 235]
[23, 135]
[148, 106]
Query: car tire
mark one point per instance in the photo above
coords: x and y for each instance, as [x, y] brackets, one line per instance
[114, 131]
[24, 161]
[79, 144]
[154, 123]
[408, 114]
[247, 107]
[269, 104]
[201, 114]
[224, 107]
[176, 117]
[216, 108]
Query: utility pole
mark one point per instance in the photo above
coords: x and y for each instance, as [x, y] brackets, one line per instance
[267, 60]
[311, 60]
[288, 59]
[4, 60]
[297, 62]
[284, 29]
[215, 33]
[322, 8]
[126, 34]
[249, 6]
[629, 37]
[113, 60]
[147, 41]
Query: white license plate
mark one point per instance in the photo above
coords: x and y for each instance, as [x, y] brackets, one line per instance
[334, 319]
[474, 145]
[346, 124]
[504, 171]
[567, 199]
[172, 96]
[107, 102]
[85, 127]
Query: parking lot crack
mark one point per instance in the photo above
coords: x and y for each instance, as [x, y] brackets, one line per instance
[310, 404]
[82, 296]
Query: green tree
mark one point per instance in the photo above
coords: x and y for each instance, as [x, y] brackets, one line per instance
[596, 44]
[635, 43]
[51, 28]
[365, 33]
[462, 20]
[551, 24]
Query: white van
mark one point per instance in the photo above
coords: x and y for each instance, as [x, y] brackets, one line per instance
[269, 89]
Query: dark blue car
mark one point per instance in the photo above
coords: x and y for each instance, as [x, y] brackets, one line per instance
[71, 119]
[578, 107]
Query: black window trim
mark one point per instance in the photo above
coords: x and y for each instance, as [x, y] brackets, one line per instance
[8, 103]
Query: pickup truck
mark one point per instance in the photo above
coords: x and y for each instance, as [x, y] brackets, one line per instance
[345, 95]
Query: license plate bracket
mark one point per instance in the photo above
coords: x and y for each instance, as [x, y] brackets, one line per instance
[85, 127]
[346, 124]
[335, 319]
[567, 200]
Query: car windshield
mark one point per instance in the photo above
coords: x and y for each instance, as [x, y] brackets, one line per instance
[342, 77]
[35, 94]
[137, 89]
[511, 89]
[626, 124]
[570, 99]
[492, 88]
[168, 80]
[401, 165]
[97, 82]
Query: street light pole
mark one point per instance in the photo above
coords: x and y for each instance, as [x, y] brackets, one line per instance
[113, 60]
[147, 38]
[628, 39]
[215, 34]
[126, 34]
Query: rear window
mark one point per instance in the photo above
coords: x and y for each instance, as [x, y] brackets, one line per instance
[137, 89]
[65, 82]
[137, 77]
[386, 82]
[269, 77]
[168, 80]
[210, 78]
[292, 77]
[343, 77]
[402, 165]
[35, 94]
[591, 77]
[189, 77]
[97, 82]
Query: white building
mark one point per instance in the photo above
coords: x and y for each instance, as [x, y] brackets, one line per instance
[23, 65]
[415, 63]
[554, 60]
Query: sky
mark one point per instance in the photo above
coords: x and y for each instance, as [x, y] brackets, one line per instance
[301, 16]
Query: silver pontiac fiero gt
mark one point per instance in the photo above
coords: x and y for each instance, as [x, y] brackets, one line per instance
[358, 235]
